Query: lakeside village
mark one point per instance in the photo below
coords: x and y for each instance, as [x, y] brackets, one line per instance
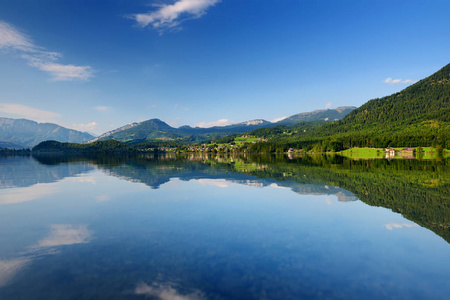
[242, 145]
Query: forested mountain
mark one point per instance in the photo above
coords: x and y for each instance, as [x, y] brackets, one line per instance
[417, 116]
[23, 133]
[157, 129]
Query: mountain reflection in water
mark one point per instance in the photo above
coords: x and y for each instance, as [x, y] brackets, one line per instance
[419, 190]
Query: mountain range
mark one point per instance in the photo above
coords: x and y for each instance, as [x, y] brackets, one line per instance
[23, 133]
[157, 129]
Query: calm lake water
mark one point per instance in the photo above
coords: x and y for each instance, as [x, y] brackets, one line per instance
[199, 227]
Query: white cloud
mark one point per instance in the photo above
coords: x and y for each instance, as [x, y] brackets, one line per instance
[328, 105]
[64, 72]
[168, 16]
[12, 39]
[278, 119]
[92, 126]
[165, 292]
[221, 122]
[103, 108]
[389, 80]
[23, 111]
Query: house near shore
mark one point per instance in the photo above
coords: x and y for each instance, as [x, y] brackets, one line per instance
[390, 152]
[408, 152]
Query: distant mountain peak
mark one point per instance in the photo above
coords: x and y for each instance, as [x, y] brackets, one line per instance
[28, 133]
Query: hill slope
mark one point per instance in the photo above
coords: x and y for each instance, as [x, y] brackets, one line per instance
[23, 133]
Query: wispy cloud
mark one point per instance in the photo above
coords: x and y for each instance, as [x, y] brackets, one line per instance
[328, 105]
[23, 111]
[221, 122]
[11, 39]
[92, 126]
[165, 292]
[389, 80]
[169, 16]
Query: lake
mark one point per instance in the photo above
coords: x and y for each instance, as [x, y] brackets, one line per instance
[202, 227]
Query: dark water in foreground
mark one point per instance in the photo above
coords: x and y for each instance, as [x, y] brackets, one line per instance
[223, 228]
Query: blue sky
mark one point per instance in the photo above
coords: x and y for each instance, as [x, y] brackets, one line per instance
[96, 65]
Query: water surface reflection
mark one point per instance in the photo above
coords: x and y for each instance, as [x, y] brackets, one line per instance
[224, 228]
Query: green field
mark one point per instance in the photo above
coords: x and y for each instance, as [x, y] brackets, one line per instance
[245, 140]
[372, 153]
[364, 153]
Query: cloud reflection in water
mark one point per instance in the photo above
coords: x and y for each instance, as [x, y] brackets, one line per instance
[166, 292]
[19, 195]
[8, 268]
[65, 234]
[391, 226]
[60, 235]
